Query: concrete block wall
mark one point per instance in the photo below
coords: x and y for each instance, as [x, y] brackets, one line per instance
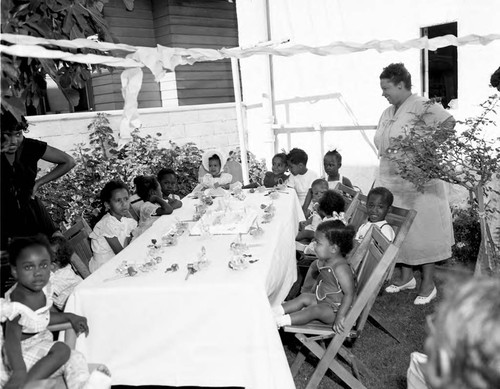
[208, 126]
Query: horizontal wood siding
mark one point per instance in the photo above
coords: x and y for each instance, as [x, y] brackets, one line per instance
[198, 23]
[133, 28]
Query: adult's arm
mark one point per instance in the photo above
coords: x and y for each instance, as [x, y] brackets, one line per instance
[64, 162]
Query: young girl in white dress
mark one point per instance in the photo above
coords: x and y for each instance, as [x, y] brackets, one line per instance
[114, 231]
[29, 352]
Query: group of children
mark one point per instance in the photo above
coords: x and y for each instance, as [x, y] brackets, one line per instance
[328, 290]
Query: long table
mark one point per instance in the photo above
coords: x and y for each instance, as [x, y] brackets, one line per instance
[213, 329]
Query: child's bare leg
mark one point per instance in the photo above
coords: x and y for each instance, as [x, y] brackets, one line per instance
[321, 312]
[57, 356]
[302, 301]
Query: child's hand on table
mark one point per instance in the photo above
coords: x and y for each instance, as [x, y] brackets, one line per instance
[79, 323]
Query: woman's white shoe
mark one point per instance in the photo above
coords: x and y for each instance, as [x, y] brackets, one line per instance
[412, 284]
[421, 300]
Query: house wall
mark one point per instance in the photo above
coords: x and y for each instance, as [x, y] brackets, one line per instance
[208, 126]
[134, 28]
[205, 24]
[332, 83]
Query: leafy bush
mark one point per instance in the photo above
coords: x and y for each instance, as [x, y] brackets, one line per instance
[256, 168]
[467, 232]
[77, 193]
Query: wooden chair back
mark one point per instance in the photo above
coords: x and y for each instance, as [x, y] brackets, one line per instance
[400, 219]
[347, 193]
[378, 256]
[78, 238]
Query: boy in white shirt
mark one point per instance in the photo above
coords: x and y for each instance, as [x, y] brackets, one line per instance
[301, 177]
[378, 205]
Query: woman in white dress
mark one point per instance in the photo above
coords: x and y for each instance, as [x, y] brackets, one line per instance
[431, 235]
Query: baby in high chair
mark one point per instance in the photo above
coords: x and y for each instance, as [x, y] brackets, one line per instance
[329, 285]
[213, 161]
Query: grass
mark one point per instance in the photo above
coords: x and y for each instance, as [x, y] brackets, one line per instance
[387, 358]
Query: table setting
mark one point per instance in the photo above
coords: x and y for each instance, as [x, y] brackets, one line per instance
[195, 291]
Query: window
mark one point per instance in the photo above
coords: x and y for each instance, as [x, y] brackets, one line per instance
[440, 68]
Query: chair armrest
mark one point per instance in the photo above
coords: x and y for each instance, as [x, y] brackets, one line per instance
[69, 332]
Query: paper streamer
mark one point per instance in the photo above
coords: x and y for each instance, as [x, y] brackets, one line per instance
[160, 59]
[131, 86]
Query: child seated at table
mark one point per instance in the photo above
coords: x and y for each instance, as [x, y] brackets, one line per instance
[149, 190]
[29, 352]
[332, 162]
[301, 177]
[62, 277]
[330, 207]
[276, 176]
[318, 187]
[329, 284]
[169, 187]
[213, 162]
[135, 201]
[378, 205]
[114, 231]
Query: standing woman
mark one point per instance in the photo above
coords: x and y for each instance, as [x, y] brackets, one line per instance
[23, 214]
[431, 236]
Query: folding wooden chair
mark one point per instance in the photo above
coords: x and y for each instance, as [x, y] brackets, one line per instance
[377, 255]
[400, 219]
[347, 193]
[78, 237]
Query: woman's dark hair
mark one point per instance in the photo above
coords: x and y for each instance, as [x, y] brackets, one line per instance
[396, 73]
[296, 156]
[108, 189]
[9, 123]
[336, 154]
[386, 194]
[165, 172]
[330, 202]
[62, 250]
[145, 186]
[337, 233]
[495, 79]
[215, 157]
[281, 156]
[17, 245]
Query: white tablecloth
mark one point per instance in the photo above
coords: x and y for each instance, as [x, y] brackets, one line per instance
[215, 329]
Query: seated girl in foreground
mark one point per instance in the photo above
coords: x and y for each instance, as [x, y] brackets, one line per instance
[213, 162]
[149, 190]
[329, 285]
[29, 351]
[114, 231]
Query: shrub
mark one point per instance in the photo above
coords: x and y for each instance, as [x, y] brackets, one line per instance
[467, 235]
[256, 168]
[76, 194]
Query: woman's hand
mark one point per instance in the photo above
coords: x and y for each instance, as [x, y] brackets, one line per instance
[79, 323]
